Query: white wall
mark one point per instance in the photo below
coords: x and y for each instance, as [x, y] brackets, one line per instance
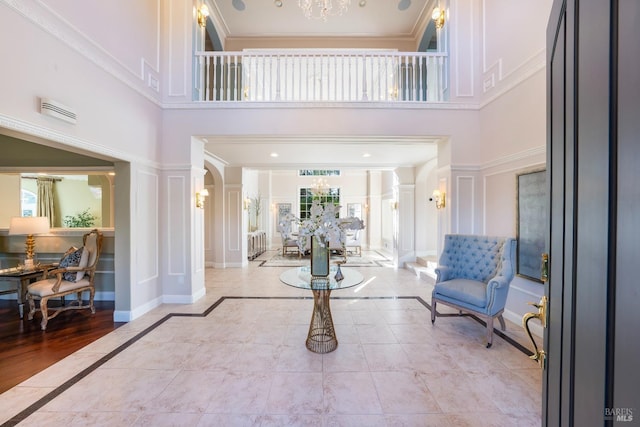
[286, 185]
[509, 83]
[119, 118]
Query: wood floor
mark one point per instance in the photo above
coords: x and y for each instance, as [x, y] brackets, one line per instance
[26, 350]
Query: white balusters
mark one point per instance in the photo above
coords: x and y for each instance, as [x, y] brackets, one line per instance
[319, 76]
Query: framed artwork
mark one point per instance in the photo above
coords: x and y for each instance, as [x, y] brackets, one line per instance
[531, 223]
[354, 210]
[282, 210]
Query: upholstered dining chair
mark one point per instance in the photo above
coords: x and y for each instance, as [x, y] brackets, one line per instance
[473, 276]
[352, 243]
[75, 274]
[289, 243]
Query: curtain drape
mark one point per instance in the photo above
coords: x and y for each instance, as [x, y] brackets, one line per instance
[45, 199]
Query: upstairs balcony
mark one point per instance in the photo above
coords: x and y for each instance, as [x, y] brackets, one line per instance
[321, 76]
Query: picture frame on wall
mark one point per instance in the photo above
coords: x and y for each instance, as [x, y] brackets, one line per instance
[282, 210]
[354, 210]
[531, 223]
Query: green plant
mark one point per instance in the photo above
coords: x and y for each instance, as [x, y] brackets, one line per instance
[83, 219]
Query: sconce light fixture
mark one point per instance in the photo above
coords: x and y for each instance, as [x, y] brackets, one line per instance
[438, 197]
[200, 196]
[247, 203]
[438, 17]
[203, 14]
[393, 204]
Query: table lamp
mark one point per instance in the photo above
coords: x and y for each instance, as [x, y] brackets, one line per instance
[28, 226]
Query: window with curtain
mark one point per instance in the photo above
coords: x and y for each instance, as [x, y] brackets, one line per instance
[46, 199]
[28, 203]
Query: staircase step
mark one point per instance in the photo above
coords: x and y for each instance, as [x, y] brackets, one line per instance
[427, 261]
[420, 270]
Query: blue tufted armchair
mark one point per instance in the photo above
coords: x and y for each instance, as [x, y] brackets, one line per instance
[473, 276]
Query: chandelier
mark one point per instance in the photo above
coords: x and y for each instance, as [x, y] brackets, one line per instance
[320, 187]
[321, 9]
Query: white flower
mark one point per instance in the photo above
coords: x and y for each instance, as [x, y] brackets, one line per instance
[322, 223]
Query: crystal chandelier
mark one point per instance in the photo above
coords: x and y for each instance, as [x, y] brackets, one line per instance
[320, 187]
[321, 9]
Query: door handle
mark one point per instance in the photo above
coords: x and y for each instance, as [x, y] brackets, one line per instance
[539, 355]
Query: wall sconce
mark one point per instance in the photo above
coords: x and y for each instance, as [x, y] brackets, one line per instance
[247, 203]
[438, 197]
[393, 204]
[200, 196]
[438, 17]
[203, 14]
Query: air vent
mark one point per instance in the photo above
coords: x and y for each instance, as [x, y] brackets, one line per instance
[52, 108]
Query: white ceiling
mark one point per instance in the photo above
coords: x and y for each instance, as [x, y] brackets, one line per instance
[332, 152]
[378, 18]
[390, 20]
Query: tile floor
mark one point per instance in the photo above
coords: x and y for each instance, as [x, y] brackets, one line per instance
[244, 363]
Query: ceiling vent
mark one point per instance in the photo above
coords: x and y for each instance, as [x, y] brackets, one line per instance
[53, 108]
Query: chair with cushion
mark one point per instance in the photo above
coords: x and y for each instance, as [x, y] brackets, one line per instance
[289, 243]
[352, 243]
[74, 274]
[473, 276]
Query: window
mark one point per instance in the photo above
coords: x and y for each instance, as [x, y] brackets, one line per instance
[307, 196]
[28, 201]
[316, 172]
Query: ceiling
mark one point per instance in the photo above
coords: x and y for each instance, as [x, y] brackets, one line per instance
[376, 18]
[385, 21]
[278, 152]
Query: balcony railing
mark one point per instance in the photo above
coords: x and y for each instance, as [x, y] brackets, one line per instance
[321, 76]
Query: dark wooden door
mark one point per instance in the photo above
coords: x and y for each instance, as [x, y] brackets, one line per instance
[592, 341]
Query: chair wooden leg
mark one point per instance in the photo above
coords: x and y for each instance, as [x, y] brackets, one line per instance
[32, 306]
[92, 293]
[489, 321]
[502, 324]
[433, 311]
[45, 313]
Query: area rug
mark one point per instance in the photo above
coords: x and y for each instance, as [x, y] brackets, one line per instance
[368, 259]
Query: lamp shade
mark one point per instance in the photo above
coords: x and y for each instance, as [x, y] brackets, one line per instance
[28, 225]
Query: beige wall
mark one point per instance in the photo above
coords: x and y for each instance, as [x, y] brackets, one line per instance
[10, 196]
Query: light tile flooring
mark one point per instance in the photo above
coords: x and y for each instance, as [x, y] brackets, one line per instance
[244, 363]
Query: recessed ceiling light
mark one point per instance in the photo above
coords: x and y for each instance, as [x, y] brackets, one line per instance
[366, 155]
[274, 154]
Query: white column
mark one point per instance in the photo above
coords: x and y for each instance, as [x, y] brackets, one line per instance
[406, 224]
[234, 217]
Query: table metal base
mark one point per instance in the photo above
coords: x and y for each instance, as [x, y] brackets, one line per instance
[322, 335]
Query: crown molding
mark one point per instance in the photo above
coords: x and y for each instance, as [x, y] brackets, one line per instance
[19, 128]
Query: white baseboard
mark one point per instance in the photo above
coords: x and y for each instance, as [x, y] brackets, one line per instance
[184, 299]
[127, 316]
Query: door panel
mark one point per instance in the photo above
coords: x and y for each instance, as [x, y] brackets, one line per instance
[592, 344]
[555, 183]
[627, 290]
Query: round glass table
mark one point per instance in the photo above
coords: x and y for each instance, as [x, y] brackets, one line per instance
[322, 336]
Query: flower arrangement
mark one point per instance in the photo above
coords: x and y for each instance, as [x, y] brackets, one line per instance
[321, 224]
[324, 225]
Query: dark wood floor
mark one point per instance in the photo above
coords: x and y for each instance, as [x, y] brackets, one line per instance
[26, 350]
